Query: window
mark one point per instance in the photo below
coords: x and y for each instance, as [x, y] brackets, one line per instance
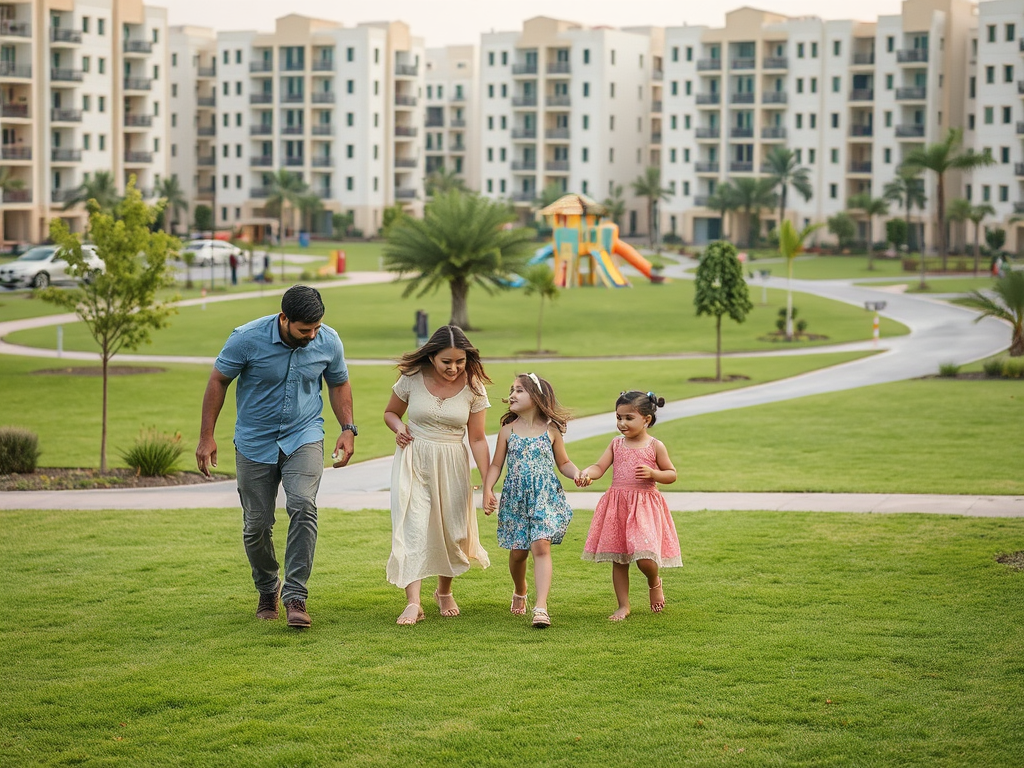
[970, 122]
[225, 151]
[686, 122]
[86, 141]
[1004, 193]
[501, 186]
[85, 63]
[813, 120]
[490, 185]
[238, 150]
[238, 182]
[837, 47]
[504, 63]
[490, 63]
[1011, 32]
[836, 84]
[586, 89]
[672, 122]
[799, 50]
[991, 33]
[814, 85]
[833, 191]
[350, 86]
[814, 50]
[1007, 115]
[989, 115]
[835, 119]
[611, 123]
[887, 155]
[376, 55]
[85, 24]
[490, 123]
[101, 65]
[226, 57]
[224, 213]
[225, 181]
[888, 82]
[238, 119]
[686, 155]
[490, 91]
[174, 90]
[174, 120]
[675, 53]
[490, 152]
[672, 156]
[799, 120]
[504, 122]
[156, 35]
[611, 155]
[504, 91]
[586, 55]
[101, 26]
[238, 56]
[799, 85]
[586, 155]
[888, 119]
[990, 74]
[101, 103]
[1004, 154]
[350, 118]
[586, 122]
[350, 150]
[613, 57]
[174, 150]
[350, 183]
[812, 155]
[1007, 73]
[502, 154]
[586, 187]
[103, 136]
[833, 156]
[226, 118]
[986, 193]
[174, 60]
[675, 88]
[86, 102]
[226, 88]
[612, 90]
[686, 188]
[967, 192]
[972, 87]
[689, 87]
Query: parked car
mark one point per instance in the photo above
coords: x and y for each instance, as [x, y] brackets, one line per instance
[40, 266]
[213, 252]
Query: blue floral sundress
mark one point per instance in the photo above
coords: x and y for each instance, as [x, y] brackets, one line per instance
[533, 504]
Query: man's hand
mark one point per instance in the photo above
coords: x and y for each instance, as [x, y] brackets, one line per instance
[206, 454]
[344, 448]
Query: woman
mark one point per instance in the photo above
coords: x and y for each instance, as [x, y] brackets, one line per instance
[433, 518]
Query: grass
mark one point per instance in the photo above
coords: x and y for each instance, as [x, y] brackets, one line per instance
[937, 284]
[376, 322]
[64, 410]
[789, 639]
[925, 436]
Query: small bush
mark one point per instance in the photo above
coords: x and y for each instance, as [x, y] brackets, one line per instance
[993, 368]
[306, 276]
[949, 370]
[19, 450]
[154, 453]
[1014, 369]
[672, 239]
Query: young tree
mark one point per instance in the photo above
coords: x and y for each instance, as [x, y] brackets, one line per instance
[870, 207]
[99, 187]
[940, 158]
[540, 280]
[203, 221]
[896, 233]
[753, 195]
[309, 205]
[995, 239]
[719, 289]
[843, 228]
[791, 245]
[461, 241]
[977, 215]
[649, 185]
[8, 180]
[286, 190]
[1009, 307]
[174, 198]
[906, 190]
[119, 305]
[723, 200]
[342, 223]
[785, 170]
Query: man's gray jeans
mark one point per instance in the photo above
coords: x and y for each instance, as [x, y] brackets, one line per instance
[300, 475]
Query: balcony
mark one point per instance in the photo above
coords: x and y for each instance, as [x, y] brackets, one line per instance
[293, 66]
[209, 101]
[1018, 207]
[259, 193]
[1018, 169]
[405, 130]
[656, 106]
[863, 59]
[261, 161]
[741, 98]
[709, 98]
[65, 115]
[774, 97]
[708, 133]
[524, 165]
[146, 121]
[524, 197]
[862, 130]
[15, 153]
[293, 130]
[137, 158]
[740, 167]
[457, 147]
[701, 201]
[63, 75]
[559, 68]
[405, 101]
[323, 97]
[456, 122]
[557, 134]
[10, 69]
[58, 155]
[658, 75]
[257, 67]
[520, 134]
[323, 65]
[860, 167]
[706, 167]
[294, 98]
[557, 166]
[524, 69]
[64, 35]
[1020, 129]
[322, 161]
[524, 101]
[406, 162]
[558, 101]
[17, 195]
[206, 131]
[774, 132]
[775, 62]
[744, 63]
[741, 132]
[10, 28]
[324, 193]
[14, 110]
[458, 97]
[138, 46]
[259, 98]
[912, 56]
[405, 194]
[407, 70]
[434, 122]
[206, 161]
[295, 161]
[62, 195]
[916, 93]
[1020, 87]
[137, 84]
[705, 65]
[655, 138]
[910, 131]
[207, 71]
[862, 94]
[208, 191]
[261, 130]
[323, 130]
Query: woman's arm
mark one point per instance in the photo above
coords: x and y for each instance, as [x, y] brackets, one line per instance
[478, 440]
[494, 471]
[393, 414]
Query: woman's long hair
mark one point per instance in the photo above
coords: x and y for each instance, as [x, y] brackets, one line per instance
[446, 337]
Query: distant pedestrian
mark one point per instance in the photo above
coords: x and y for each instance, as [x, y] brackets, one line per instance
[233, 263]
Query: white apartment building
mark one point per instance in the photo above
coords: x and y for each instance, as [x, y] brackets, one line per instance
[568, 105]
[336, 105]
[451, 120]
[83, 86]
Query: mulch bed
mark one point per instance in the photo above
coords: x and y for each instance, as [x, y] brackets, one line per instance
[970, 376]
[75, 479]
[113, 370]
[1015, 560]
[779, 336]
[713, 380]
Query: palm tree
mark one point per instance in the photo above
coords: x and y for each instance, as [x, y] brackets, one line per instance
[959, 210]
[784, 170]
[99, 187]
[753, 195]
[8, 181]
[940, 158]
[440, 181]
[722, 200]
[540, 280]
[977, 215]
[309, 204]
[791, 245]
[462, 240]
[615, 204]
[548, 195]
[1010, 307]
[285, 189]
[907, 189]
[649, 185]
[171, 191]
[870, 207]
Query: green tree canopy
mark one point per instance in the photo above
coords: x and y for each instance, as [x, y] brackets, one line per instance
[791, 245]
[540, 280]
[442, 180]
[286, 190]
[723, 200]
[174, 199]
[785, 171]
[719, 289]
[101, 188]
[1008, 305]
[648, 185]
[752, 196]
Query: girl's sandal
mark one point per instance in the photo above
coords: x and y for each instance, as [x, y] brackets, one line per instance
[413, 614]
[450, 609]
[541, 620]
[657, 597]
[518, 604]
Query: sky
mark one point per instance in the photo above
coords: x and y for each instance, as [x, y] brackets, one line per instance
[461, 22]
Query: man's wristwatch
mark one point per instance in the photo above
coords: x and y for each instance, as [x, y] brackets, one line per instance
[350, 428]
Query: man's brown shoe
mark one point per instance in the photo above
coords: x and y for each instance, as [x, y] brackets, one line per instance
[297, 616]
[267, 608]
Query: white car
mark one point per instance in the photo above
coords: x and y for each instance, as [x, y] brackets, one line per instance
[212, 252]
[40, 266]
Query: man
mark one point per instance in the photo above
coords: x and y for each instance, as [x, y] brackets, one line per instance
[280, 361]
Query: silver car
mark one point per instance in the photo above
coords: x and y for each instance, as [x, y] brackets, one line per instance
[40, 266]
[217, 252]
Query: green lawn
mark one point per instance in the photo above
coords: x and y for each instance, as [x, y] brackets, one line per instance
[936, 284]
[830, 267]
[924, 436]
[375, 322]
[64, 410]
[788, 639]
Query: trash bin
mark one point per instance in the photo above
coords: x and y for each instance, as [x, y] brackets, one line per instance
[340, 261]
[304, 239]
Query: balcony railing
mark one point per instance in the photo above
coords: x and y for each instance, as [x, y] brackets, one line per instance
[14, 110]
[206, 131]
[558, 101]
[658, 75]
[323, 130]
[863, 59]
[910, 131]
[138, 84]
[138, 46]
[293, 98]
[709, 98]
[915, 93]
[1018, 207]
[1018, 169]
[323, 65]
[741, 132]
[407, 70]
[741, 98]
[209, 101]
[405, 130]
[557, 166]
[862, 94]
[1020, 129]
[207, 71]
[261, 161]
[1020, 87]
[322, 161]
[206, 161]
[259, 193]
[322, 97]
[525, 69]
[743, 63]
[293, 130]
[9, 28]
[701, 201]
[457, 122]
[15, 153]
[324, 193]
[559, 68]
[776, 62]
[405, 194]
[138, 157]
[556, 134]
[208, 191]
[58, 155]
[704, 65]
[524, 197]
[708, 133]
[655, 138]
[293, 66]
[261, 98]
[17, 195]
[739, 167]
[862, 130]
[912, 56]
[295, 161]
[66, 115]
[518, 134]
[773, 132]
[524, 101]
[64, 35]
[261, 130]
[434, 122]
[145, 121]
[257, 67]
[10, 69]
[458, 97]
[524, 165]
[774, 97]
[405, 101]
[656, 106]
[706, 167]
[62, 195]
[860, 167]
[406, 162]
[66, 75]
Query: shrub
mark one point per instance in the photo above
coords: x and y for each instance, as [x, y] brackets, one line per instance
[154, 453]
[949, 370]
[1013, 369]
[993, 368]
[19, 450]
[671, 239]
[306, 276]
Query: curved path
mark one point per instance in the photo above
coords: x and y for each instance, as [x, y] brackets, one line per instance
[939, 333]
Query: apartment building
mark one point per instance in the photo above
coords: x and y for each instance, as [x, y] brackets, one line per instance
[83, 87]
[569, 105]
[852, 99]
[451, 120]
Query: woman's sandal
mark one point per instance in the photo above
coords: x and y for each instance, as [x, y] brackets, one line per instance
[519, 610]
[541, 620]
[411, 616]
[657, 597]
[450, 612]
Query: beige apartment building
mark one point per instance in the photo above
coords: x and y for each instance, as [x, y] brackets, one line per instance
[83, 85]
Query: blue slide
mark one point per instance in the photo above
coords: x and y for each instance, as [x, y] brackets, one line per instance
[538, 258]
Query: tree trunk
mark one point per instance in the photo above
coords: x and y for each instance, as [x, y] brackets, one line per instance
[103, 428]
[940, 196]
[650, 220]
[540, 323]
[718, 354]
[977, 255]
[782, 208]
[789, 301]
[1017, 345]
[871, 246]
[460, 311]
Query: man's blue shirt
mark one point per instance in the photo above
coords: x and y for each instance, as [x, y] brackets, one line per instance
[278, 389]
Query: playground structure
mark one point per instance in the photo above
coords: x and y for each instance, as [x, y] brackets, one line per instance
[582, 246]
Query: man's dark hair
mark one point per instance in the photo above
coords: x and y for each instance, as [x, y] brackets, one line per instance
[302, 304]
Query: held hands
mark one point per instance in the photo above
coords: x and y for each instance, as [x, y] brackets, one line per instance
[490, 502]
[582, 479]
[206, 454]
[345, 447]
[402, 436]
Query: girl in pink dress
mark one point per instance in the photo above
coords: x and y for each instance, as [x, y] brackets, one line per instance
[632, 522]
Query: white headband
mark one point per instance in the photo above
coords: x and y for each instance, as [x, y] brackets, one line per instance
[533, 377]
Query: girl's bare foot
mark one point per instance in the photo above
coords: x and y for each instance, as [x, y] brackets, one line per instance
[657, 597]
[518, 605]
[449, 608]
[412, 614]
[619, 615]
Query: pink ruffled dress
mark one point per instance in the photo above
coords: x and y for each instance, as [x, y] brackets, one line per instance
[632, 520]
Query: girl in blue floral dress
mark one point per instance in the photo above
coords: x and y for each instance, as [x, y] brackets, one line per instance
[534, 513]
